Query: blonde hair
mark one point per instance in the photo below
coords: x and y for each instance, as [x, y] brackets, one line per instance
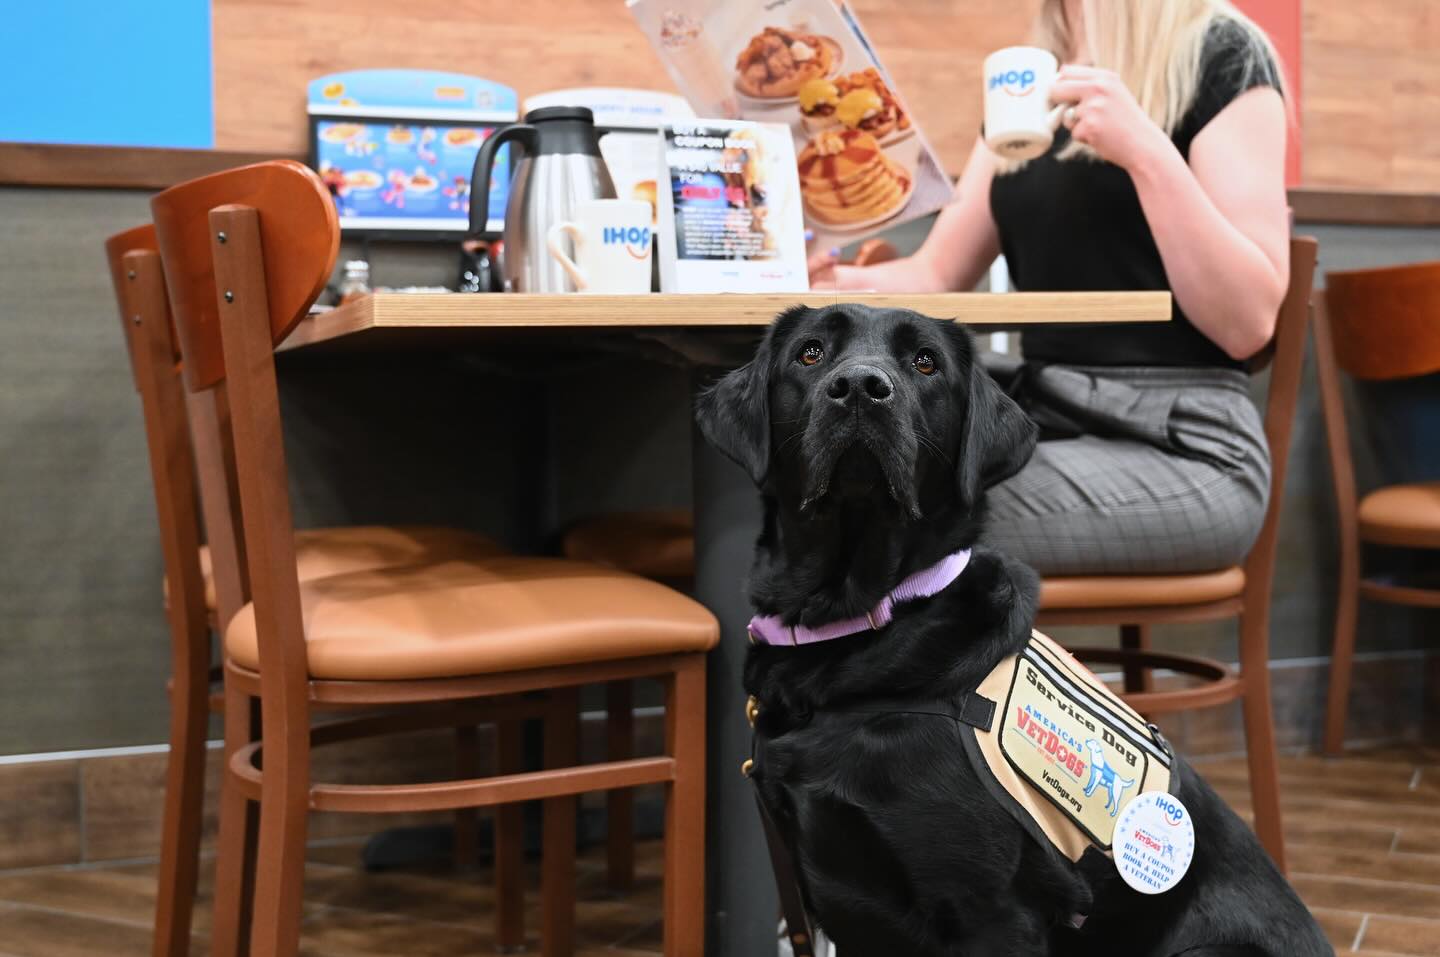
[1156, 47]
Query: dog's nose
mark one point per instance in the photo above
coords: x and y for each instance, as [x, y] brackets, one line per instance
[860, 381]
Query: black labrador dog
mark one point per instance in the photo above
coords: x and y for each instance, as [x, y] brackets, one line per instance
[873, 436]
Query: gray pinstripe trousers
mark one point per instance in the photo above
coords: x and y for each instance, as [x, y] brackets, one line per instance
[1139, 471]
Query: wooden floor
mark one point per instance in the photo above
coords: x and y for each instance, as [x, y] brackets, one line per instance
[1363, 832]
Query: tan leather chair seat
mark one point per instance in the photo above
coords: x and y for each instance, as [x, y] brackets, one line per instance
[1403, 515]
[656, 544]
[1145, 591]
[499, 615]
[320, 552]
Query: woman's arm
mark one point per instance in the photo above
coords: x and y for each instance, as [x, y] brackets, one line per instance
[960, 247]
[1221, 223]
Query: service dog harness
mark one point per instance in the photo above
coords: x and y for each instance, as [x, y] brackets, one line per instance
[1060, 752]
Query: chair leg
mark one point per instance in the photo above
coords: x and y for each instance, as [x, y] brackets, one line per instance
[466, 849]
[1342, 658]
[509, 823]
[557, 844]
[1136, 638]
[1260, 747]
[684, 894]
[235, 849]
[620, 803]
[180, 825]
[280, 862]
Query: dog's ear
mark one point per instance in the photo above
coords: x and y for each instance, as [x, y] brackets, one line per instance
[997, 440]
[734, 414]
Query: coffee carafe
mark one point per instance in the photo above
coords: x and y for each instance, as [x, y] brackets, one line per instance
[560, 168]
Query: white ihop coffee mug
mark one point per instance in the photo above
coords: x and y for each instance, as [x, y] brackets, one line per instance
[1020, 123]
[612, 240]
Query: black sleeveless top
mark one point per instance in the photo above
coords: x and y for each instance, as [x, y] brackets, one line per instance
[1077, 226]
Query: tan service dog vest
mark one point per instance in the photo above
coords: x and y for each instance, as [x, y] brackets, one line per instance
[1063, 747]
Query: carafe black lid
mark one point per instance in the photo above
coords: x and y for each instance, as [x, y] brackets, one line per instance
[548, 113]
[568, 130]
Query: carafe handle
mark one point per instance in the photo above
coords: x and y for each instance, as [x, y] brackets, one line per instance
[523, 134]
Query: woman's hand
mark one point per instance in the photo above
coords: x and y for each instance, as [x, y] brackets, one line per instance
[1104, 116]
[822, 267]
[829, 274]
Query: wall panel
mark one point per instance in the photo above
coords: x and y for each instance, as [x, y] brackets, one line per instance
[1369, 73]
[1372, 94]
[265, 52]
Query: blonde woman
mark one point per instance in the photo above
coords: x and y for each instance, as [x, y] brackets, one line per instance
[1169, 174]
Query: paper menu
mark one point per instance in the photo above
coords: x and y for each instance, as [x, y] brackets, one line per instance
[863, 164]
[730, 211]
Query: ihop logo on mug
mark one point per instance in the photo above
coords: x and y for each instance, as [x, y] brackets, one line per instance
[635, 238]
[1013, 82]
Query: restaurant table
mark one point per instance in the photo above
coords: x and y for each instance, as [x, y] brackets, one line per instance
[742, 904]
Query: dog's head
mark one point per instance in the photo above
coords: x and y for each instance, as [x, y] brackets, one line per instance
[853, 408]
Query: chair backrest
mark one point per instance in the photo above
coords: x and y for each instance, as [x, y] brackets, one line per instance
[300, 233]
[145, 315]
[131, 240]
[1374, 324]
[1286, 364]
[1385, 323]
[246, 252]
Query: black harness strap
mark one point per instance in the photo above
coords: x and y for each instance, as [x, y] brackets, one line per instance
[797, 924]
[972, 709]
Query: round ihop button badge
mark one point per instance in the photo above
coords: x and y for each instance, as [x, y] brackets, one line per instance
[1154, 842]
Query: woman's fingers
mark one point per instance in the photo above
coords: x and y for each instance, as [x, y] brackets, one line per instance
[823, 262]
[1073, 91]
[1077, 70]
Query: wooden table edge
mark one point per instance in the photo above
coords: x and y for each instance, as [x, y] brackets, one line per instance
[717, 311]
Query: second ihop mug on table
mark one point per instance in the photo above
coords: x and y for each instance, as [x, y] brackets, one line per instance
[612, 240]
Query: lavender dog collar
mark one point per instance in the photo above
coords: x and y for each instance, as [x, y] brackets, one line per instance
[769, 630]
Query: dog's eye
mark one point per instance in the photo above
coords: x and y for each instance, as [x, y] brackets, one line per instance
[811, 353]
[924, 362]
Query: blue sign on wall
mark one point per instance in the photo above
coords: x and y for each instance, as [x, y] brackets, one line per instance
[106, 73]
[397, 147]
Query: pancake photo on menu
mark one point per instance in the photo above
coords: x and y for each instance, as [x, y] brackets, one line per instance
[848, 182]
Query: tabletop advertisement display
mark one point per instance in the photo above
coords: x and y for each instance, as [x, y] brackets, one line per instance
[806, 66]
[730, 217]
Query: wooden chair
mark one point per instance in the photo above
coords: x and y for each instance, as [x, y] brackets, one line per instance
[1376, 324]
[658, 543]
[245, 253]
[1134, 603]
[176, 507]
[190, 582]
[319, 551]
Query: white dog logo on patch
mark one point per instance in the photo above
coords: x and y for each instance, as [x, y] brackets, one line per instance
[1102, 774]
